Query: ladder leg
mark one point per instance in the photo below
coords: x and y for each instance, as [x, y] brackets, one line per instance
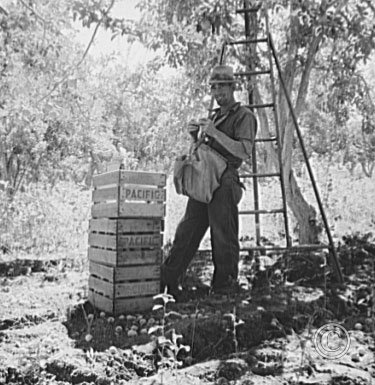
[251, 27]
[256, 197]
[279, 144]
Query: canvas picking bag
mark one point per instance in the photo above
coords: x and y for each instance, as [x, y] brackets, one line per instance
[197, 175]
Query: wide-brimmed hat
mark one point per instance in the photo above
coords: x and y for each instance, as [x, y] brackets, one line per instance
[222, 74]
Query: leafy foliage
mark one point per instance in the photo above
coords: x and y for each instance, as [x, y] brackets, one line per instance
[38, 113]
[147, 110]
[339, 36]
[43, 221]
[58, 111]
[54, 117]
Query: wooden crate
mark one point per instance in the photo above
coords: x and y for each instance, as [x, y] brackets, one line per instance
[125, 240]
[128, 194]
[123, 289]
[118, 290]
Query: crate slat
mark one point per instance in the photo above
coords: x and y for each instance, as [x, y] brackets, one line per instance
[131, 241]
[146, 225]
[103, 225]
[137, 273]
[127, 209]
[102, 303]
[105, 288]
[104, 210]
[121, 274]
[134, 257]
[122, 305]
[112, 177]
[104, 241]
[102, 271]
[142, 193]
[144, 178]
[105, 194]
[123, 290]
[139, 241]
[136, 225]
[129, 193]
[130, 177]
[104, 257]
[124, 257]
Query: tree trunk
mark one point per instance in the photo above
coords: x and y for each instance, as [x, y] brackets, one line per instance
[3, 163]
[367, 167]
[305, 214]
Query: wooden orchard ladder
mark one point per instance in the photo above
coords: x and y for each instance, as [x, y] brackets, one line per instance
[250, 12]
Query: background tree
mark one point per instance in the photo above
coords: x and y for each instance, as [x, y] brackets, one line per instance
[325, 39]
[60, 107]
[39, 113]
[54, 116]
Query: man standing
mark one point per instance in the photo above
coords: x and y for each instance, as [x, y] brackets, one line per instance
[233, 137]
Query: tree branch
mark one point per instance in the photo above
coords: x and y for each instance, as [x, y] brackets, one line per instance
[41, 18]
[366, 88]
[2, 10]
[33, 11]
[305, 79]
[68, 72]
[94, 34]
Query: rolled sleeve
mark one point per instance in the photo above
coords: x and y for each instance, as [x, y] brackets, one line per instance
[246, 127]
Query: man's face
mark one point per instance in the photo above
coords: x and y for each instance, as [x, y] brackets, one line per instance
[223, 93]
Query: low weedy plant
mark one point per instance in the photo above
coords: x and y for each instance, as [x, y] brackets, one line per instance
[234, 324]
[371, 311]
[91, 357]
[167, 344]
[190, 358]
[104, 330]
[306, 359]
[89, 318]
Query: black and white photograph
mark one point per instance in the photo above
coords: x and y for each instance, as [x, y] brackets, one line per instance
[187, 192]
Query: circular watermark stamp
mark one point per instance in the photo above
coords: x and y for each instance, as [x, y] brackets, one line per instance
[332, 341]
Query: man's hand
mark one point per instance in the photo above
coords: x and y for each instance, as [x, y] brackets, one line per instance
[193, 129]
[193, 125]
[208, 127]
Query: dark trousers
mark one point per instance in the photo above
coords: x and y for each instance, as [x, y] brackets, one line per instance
[221, 215]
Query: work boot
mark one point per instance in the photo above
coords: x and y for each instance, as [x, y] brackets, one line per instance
[229, 287]
[174, 289]
[177, 292]
[173, 286]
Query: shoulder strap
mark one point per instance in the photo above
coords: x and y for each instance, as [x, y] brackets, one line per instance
[251, 112]
[202, 138]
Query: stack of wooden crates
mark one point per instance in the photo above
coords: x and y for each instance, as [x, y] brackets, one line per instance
[125, 240]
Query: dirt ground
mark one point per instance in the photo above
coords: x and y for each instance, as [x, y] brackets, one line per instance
[267, 334]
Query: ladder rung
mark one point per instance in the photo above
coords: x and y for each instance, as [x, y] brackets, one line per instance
[265, 105]
[248, 212]
[271, 139]
[252, 73]
[248, 10]
[265, 175]
[280, 248]
[248, 41]
[292, 248]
